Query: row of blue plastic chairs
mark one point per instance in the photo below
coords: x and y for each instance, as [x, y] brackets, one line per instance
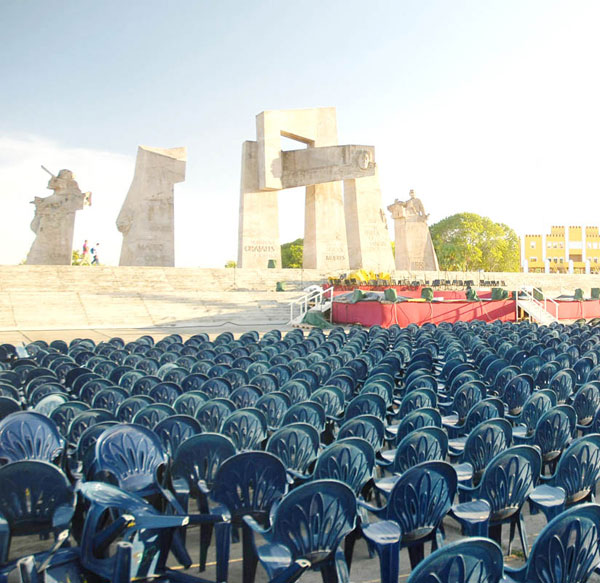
[248, 487]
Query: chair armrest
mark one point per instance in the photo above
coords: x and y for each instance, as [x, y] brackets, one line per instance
[203, 487]
[62, 516]
[514, 575]
[374, 509]
[253, 525]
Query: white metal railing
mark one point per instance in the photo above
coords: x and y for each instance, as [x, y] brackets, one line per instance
[542, 304]
[315, 297]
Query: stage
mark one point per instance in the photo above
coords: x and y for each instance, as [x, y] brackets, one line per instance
[385, 314]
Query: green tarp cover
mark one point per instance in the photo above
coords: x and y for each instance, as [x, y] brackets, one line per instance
[316, 319]
[390, 295]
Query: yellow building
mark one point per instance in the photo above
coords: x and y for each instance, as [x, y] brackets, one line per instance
[563, 250]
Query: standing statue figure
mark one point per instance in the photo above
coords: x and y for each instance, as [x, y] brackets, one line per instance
[54, 220]
[414, 247]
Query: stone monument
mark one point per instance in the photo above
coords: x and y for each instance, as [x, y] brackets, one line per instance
[147, 215]
[54, 220]
[321, 167]
[414, 247]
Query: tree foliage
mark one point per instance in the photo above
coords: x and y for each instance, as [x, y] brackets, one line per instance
[291, 254]
[469, 242]
[231, 264]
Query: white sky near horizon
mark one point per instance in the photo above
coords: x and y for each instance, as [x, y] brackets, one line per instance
[483, 106]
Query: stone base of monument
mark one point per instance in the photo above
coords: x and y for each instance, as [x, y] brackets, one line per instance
[414, 247]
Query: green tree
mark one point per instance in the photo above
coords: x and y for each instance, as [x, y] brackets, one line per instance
[230, 264]
[77, 258]
[291, 254]
[469, 242]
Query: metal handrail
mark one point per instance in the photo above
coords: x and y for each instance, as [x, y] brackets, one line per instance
[314, 298]
[544, 306]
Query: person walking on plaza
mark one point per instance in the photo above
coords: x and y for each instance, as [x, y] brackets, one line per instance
[95, 253]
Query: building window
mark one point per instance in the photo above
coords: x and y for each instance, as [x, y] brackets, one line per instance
[533, 259]
[561, 245]
[561, 259]
[589, 244]
[595, 245]
[532, 244]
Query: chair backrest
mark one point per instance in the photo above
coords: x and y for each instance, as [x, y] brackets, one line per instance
[331, 399]
[131, 455]
[368, 427]
[109, 398]
[476, 560]
[174, 430]
[165, 392]
[508, 478]
[586, 402]
[421, 498]
[568, 548]
[484, 442]
[535, 406]
[250, 483]
[312, 520]
[28, 435]
[554, 430]
[306, 412]
[426, 417]
[199, 457]
[563, 384]
[350, 460]
[421, 445]
[366, 404]
[489, 408]
[466, 397]
[516, 392]
[296, 445]
[417, 399]
[247, 428]
[578, 468]
[152, 414]
[32, 494]
[245, 396]
[213, 412]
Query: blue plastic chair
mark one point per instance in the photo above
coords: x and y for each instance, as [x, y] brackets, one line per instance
[418, 503]
[245, 396]
[483, 443]
[142, 535]
[190, 402]
[153, 414]
[165, 392]
[567, 549]
[213, 412]
[297, 446]
[425, 417]
[416, 399]
[27, 435]
[476, 560]
[109, 398]
[516, 393]
[536, 405]
[247, 428]
[247, 484]
[366, 404]
[173, 431]
[130, 406]
[577, 473]
[306, 412]
[274, 405]
[307, 528]
[8, 405]
[36, 498]
[421, 445]
[586, 402]
[368, 427]
[197, 460]
[86, 419]
[563, 384]
[467, 396]
[507, 481]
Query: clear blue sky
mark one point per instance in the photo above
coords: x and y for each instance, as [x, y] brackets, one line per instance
[483, 106]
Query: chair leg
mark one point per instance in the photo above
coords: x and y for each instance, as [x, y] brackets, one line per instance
[205, 538]
[27, 570]
[523, 535]
[349, 543]
[495, 533]
[250, 560]
[122, 572]
[389, 562]
[416, 553]
[223, 540]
